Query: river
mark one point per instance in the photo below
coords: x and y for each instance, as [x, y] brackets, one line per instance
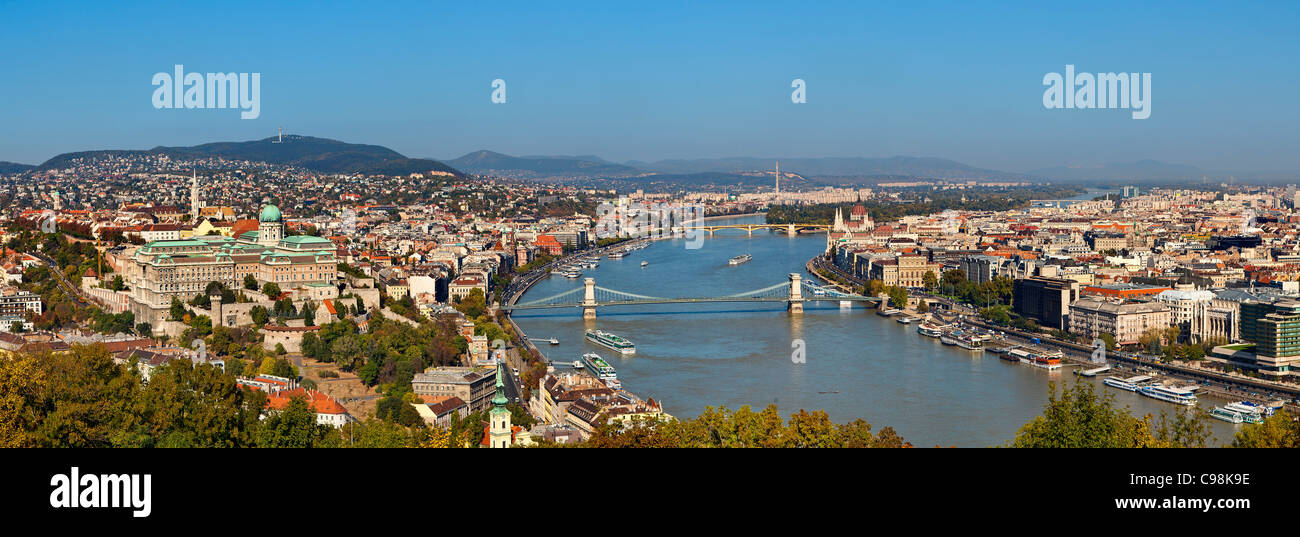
[857, 364]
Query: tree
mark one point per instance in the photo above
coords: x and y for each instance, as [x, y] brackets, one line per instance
[473, 304]
[1077, 417]
[930, 280]
[897, 296]
[22, 381]
[177, 310]
[953, 277]
[347, 352]
[1277, 431]
[295, 427]
[259, 315]
[874, 288]
[279, 349]
[1109, 339]
[250, 282]
[271, 290]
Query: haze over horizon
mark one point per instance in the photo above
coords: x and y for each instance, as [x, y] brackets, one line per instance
[953, 81]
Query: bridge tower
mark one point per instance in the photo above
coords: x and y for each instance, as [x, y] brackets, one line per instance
[794, 303]
[589, 299]
[790, 230]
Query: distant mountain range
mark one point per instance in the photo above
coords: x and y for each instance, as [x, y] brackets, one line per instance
[1148, 170]
[937, 168]
[490, 162]
[13, 167]
[318, 154]
[333, 156]
[707, 170]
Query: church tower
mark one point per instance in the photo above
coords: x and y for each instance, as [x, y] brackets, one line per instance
[194, 195]
[499, 435]
[270, 226]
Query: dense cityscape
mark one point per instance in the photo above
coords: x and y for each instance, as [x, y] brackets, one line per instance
[331, 309]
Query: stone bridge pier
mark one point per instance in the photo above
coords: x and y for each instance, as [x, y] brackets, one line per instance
[794, 301]
[589, 299]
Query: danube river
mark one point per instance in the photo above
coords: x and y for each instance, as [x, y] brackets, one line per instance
[858, 364]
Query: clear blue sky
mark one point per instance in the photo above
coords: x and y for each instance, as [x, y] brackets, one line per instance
[960, 80]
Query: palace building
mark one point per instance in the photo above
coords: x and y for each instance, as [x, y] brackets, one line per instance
[163, 269]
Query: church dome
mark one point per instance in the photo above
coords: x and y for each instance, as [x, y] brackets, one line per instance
[270, 213]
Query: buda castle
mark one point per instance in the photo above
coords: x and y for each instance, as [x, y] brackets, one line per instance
[163, 269]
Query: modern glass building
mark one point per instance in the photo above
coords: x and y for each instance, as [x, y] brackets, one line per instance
[1274, 328]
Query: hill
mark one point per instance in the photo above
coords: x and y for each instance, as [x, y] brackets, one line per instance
[317, 154]
[904, 166]
[491, 162]
[1142, 170]
[13, 167]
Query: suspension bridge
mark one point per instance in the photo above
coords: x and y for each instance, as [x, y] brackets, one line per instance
[590, 296]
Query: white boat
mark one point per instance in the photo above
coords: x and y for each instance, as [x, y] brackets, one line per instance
[1169, 394]
[930, 330]
[603, 371]
[1224, 414]
[1250, 412]
[644, 263]
[742, 258]
[577, 364]
[961, 339]
[612, 341]
[1093, 372]
[1123, 384]
[553, 341]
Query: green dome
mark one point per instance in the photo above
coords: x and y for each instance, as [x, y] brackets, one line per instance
[270, 213]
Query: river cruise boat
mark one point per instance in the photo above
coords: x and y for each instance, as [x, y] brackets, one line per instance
[889, 312]
[742, 258]
[962, 339]
[617, 254]
[907, 319]
[1049, 362]
[603, 371]
[606, 339]
[1170, 394]
[1249, 411]
[1220, 413]
[930, 330]
[1123, 384]
[572, 274]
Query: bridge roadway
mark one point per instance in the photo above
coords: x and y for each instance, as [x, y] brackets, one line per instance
[794, 294]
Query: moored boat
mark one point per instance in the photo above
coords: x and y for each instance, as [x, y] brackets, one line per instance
[1169, 394]
[612, 341]
[1224, 414]
[930, 330]
[603, 371]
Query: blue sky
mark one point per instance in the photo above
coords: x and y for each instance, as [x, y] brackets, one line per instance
[960, 80]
